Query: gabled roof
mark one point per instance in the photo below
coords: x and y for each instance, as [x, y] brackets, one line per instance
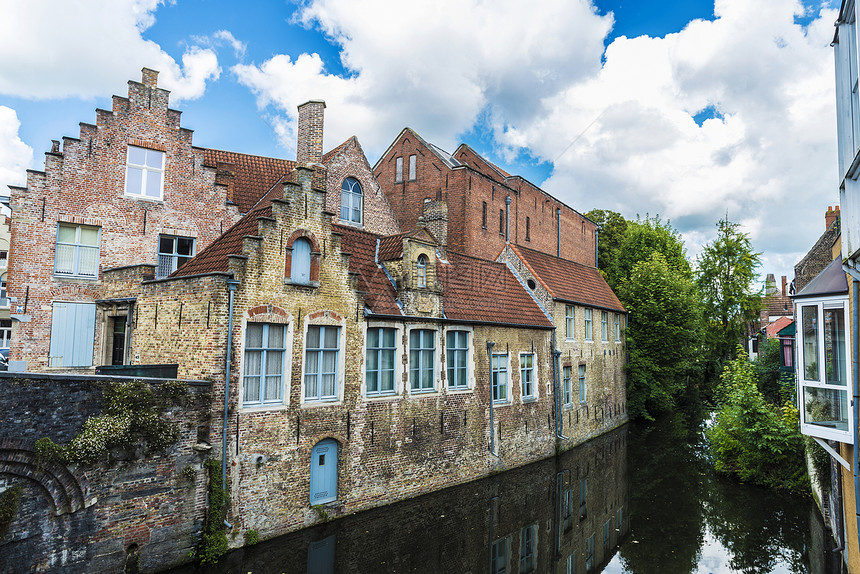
[774, 328]
[361, 245]
[443, 155]
[569, 281]
[831, 281]
[252, 175]
[504, 175]
[391, 247]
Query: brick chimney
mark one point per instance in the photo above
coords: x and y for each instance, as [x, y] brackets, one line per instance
[783, 285]
[770, 285]
[831, 216]
[309, 148]
[435, 216]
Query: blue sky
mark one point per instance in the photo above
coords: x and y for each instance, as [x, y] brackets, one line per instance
[641, 107]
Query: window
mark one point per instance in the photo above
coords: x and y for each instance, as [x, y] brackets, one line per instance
[457, 351]
[527, 375]
[144, 173]
[4, 299]
[484, 216]
[412, 166]
[77, 253]
[606, 537]
[73, 333]
[567, 510]
[568, 399]
[398, 170]
[589, 553]
[617, 328]
[571, 564]
[350, 200]
[300, 262]
[604, 326]
[528, 226]
[583, 495]
[502, 221]
[422, 355]
[527, 548]
[421, 267]
[587, 324]
[500, 378]
[5, 333]
[321, 363]
[173, 252]
[4, 259]
[499, 557]
[568, 321]
[265, 349]
[381, 351]
[618, 517]
[582, 383]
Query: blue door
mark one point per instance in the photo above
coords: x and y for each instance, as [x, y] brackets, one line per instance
[324, 472]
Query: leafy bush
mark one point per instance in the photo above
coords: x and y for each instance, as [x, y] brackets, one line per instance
[214, 544]
[9, 502]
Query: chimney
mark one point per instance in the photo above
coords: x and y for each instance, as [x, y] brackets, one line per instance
[435, 218]
[149, 78]
[770, 285]
[783, 285]
[309, 148]
[831, 216]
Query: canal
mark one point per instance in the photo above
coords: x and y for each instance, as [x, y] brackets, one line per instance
[640, 500]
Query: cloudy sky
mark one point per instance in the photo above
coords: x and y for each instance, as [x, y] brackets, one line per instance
[688, 109]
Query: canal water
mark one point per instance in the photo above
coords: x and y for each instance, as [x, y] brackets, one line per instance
[639, 500]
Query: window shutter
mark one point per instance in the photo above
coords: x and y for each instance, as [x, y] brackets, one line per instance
[300, 271]
[72, 334]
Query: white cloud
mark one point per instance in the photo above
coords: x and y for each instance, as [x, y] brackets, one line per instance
[238, 47]
[15, 155]
[86, 48]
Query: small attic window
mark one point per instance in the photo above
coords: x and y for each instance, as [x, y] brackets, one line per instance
[422, 270]
[531, 283]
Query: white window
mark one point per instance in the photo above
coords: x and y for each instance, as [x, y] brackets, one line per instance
[77, 253]
[4, 299]
[4, 259]
[568, 321]
[421, 267]
[527, 375]
[381, 352]
[173, 252]
[5, 333]
[617, 328]
[422, 358]
[604, 326]
[412, 166]
[265, 351]
[300, 262]
[582, 383]
[144, 173]
[398, 170]
[322, 345]
[457, 354]
[350, 201]
[587, 324]
[568, 397]
[528, 543]
[500, 378]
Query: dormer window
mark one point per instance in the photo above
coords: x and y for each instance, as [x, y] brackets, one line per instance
[422, 270]
[300, 265]
[350, 201]
[144, 173]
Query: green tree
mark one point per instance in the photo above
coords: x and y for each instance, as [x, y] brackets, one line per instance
[642, 238]
[611, 228]
[662, 335]
[725, 276]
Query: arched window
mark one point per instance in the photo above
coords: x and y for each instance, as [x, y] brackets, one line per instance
[422, 271]
[300, 265]
[350, 200]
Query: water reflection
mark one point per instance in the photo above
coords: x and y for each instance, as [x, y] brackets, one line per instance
[635, 501]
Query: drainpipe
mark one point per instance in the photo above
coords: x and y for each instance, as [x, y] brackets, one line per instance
[508, 219]
[556, 355]
[558, 231]
[490, 346]
[855, 376]
[231, 290]
[595, 248]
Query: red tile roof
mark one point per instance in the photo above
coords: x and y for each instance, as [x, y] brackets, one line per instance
[778, 304]
[361, 245]
[569, 281]
[774, 328]
[391, 247]
[248, 177]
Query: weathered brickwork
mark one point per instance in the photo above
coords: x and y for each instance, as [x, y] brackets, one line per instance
[89, 518]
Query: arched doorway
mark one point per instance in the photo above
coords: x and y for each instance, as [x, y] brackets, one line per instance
[324, 472]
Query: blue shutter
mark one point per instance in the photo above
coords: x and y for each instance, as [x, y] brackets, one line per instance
[72, 334]
[300, 269]
[323, 487]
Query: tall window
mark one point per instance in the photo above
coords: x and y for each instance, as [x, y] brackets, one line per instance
[421, 267]
[589, 553]
[528, 226]
[582, 383]
[4, 258]
[300, 262]
[617, 328]
[499, 557]
[144, 173]
[567, 510]
[583, 497]
[5, 333]
[350, 200]
[412, 166]
[527, 548]
[606, 537]
[4, 299]
[500, 378]
[173, 252]
[568, 397]
[484, 216]
[457, 351]
[321, 351]
[527, 375]
[422, 355]
[604, 326]
[568, 321]
[502, 221]
[77, 253]
[398, 170]
[381, 350]
[587, 324]
[265, 349]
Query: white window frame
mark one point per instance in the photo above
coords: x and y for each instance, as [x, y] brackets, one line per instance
[821, 304]
[435, 363]
[78, 246]
[348, 192]
[147, 172]
[398, 364]
[588, 324]
[604, 325]
[285, 367]
[528, 372]
[570, 321]
[582, 373]
[496, 372]
[5, 333]
[567, 377]
[174, 257]
[421, 271]
[617, 328]
[338, 396]
[470, 361]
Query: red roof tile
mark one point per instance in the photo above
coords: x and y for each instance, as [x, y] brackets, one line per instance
[248, 177]
[774, 328]
[569, 281]
[391, 247]
[361, 245]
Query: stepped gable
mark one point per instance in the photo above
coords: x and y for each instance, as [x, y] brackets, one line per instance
[247, 177]
[569, 281]
[380, 296]
[480, 290]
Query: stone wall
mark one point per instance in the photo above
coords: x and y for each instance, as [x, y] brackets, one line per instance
[91, 518]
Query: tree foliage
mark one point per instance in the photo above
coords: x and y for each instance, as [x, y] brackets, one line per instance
[725, 276]
[611, 228]
[642, 238]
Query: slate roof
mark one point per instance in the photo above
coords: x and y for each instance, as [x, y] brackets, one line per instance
[252, 175]
[569, 281]
[831, 281]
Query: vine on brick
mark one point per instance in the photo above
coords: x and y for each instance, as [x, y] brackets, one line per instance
[10, 500]
[213, 543]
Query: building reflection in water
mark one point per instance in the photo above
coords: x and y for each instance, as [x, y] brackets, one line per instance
[562, 515]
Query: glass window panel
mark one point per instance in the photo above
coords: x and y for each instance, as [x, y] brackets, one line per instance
[427, 339]
[387, 381]
[312, 362]
[153, 184]
[388, 338]
[311, 385]
[66, 234]
[89, 236]
[372, 338]
[252, 389]
[328, 385]
[331, 334]
[136, 155]
[415, 338]
[65, 259]
[185, 246]
[134, 181]
[826, 407]
[154, 159]
[834, 347]
[253, 360]
[165, 244]
[810, 342]
[254, 335]
[276, 336]
[373, 361]
[273, 388]
[387, 357]
[313, 341]
[274, 362]
[344, 205]
[329, 361]
[88, 261]
[372, 381]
